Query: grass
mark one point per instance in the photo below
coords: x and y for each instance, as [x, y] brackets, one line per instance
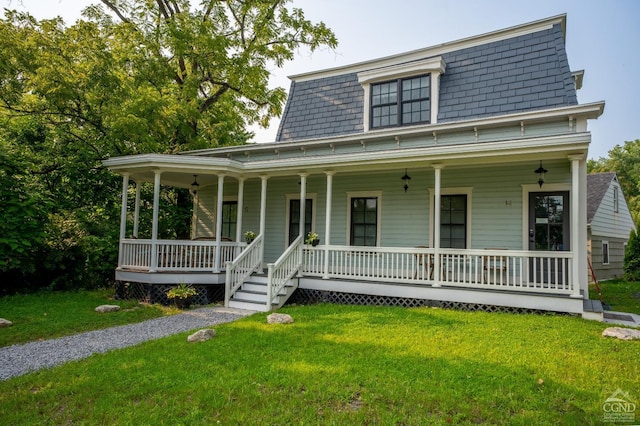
[47, 315]
[621, 296]
[344, 365]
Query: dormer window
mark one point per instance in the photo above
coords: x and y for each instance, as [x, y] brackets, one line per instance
[400, 102]
[402, 94]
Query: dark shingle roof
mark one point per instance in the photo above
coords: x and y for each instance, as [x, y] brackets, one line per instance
[597, 186]
[518, 74]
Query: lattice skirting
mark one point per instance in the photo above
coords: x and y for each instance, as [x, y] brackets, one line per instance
[308, 296]
[157, 293]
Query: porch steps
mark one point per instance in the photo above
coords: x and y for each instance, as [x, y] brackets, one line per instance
[593, 310]
[253, 294]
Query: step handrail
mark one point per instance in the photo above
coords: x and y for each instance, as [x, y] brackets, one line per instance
[280, 272]
[242, 267]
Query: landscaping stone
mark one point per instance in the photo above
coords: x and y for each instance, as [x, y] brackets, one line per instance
[202, 335]
[622, 333]
[276, 318]
[107, 308]
[5, 323]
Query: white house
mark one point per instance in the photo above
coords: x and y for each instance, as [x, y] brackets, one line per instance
[609, 224]
[453, 174]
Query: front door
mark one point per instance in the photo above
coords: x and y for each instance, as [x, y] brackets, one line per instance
[548, 231]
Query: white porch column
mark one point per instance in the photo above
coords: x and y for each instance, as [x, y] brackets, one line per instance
[578, 261]
[136, 211]
[154, 227]
[123, 215]
[263, 216]
[216, 262]
[303, 202]
[240, 208]
[327, 224]
[436, 225]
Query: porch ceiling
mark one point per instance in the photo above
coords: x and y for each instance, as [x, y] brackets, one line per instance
[178, 170]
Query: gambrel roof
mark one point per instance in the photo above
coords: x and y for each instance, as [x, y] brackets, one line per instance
[515, 70]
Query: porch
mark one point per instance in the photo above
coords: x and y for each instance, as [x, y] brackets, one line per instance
[468, 229]
[495, 277]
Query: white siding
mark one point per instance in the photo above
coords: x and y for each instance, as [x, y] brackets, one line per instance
[606, 222]
[496, 203]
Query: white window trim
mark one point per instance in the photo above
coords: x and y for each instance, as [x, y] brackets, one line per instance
[433, 66]
[368, 194]
[606, 244]
[616, 199]
[310, 196]
[465, 190]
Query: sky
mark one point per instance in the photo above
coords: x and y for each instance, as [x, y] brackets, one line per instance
[602, 38]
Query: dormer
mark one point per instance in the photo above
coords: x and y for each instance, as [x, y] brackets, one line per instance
[402, 95]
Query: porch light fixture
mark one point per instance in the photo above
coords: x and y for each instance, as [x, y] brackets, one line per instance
[406, 178]
[195, 185]
[541, 171]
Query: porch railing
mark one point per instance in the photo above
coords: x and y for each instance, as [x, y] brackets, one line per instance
[280, 272]
[177, 255]
[516, 270]
[242, 267]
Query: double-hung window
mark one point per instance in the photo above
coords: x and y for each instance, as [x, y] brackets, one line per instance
[401, 102]
[453, 221]
[364, 221]
[605, 252]
[229, 218]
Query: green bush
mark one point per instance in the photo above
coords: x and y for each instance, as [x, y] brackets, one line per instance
[632, 258]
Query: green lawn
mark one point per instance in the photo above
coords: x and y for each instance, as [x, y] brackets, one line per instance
[47, 315]
[345, 365]
[621, 296]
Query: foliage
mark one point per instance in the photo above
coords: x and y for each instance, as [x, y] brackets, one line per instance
[625, 161]
[632, 257]
[131, 77]
[311, 237]
[181, 291]
[47, 315]
[249, 236]
[621, 296]
[345, 365]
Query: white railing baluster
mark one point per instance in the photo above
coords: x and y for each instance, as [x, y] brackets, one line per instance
[542, 272]
[175, 255]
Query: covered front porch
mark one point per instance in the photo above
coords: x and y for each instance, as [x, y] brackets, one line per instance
[523, 279]
[412, 244]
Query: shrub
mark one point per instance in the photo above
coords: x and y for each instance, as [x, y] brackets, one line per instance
[632, 258]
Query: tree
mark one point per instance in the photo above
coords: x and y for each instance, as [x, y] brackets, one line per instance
[133, 76]
[625, 161]
[632, 257]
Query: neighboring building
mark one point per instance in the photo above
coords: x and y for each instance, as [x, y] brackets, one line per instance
[454, 174]
[609, 224]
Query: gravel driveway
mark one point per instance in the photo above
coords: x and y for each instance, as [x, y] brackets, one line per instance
[20, 359]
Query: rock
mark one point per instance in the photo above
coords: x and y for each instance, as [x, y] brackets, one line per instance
[276, 318]
[5, 323]
[107, 308]
[622, 333]
[202, 335]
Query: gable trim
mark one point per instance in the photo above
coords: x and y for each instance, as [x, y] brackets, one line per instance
[507, 33]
